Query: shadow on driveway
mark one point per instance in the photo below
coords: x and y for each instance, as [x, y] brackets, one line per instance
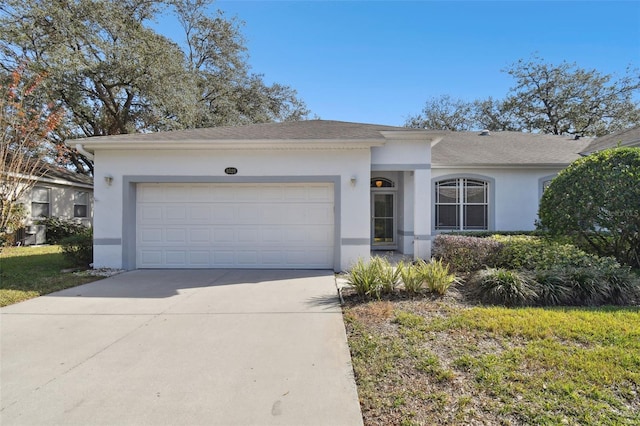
[160, 283]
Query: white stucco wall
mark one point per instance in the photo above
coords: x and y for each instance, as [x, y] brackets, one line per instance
[516, 193]
[254, 165]
[401, 154]
[61, 201]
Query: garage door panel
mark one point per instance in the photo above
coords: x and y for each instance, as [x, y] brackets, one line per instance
[199, 258]
[223, 258]
[150, 236]
[178, 193]
[200, 235]
[271, 193]
[321, 215]
[271, 235]
[223, 235]
[150, 213]
[176, 258]
[150, 257]
[247, 235]
[321, 193]
[176, 235]
[235, 225]
[296, 194]
[152, 193]
[249, 214]
[199, 214]
[222, 214]
[247, 257]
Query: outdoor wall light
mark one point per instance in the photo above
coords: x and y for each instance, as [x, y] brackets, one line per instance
[108, 179]
[354, 179]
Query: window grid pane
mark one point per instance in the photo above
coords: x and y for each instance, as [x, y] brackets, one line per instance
[462, 204]
[80, 204]
[475, 217]
[447, 217]
[39, 209]
[80, 198]
[40, 195]
[79, 211]
[447, 192]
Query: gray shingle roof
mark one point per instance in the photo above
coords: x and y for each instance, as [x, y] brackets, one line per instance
[456, 148]
[506, 148]
[627, 137]
[309, 129]
[56, 172]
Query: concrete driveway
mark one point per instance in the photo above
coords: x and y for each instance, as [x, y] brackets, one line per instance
[190, 347]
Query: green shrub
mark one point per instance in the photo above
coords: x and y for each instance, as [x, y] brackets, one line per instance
[364, 278]
[624, 286]
[78, 248]
[531, 253]
[388, 275]
[466, 254]
[599, 284]
[504, 287]
[411, 277]
[58, 229]
[587, 285]
[436, 276]
[551, 288]
[595, 202]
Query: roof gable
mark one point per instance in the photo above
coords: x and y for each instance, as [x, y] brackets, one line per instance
[627, 137]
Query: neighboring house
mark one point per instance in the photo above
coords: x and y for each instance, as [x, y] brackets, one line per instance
[58, 192]
[629, 138]
[309, 194]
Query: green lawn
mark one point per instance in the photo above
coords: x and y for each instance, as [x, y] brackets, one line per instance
[423, 362]
[27, 272]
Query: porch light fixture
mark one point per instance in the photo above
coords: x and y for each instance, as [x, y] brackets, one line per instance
[378, 184]
[354, 179]
[108, 179]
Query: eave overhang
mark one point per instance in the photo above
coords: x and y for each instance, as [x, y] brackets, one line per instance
[229, 144]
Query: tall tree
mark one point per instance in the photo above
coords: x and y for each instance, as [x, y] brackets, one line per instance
[546, 98]
[25, 129]
[115, 75]
[443, 113]
[495, 115]
[567, 99]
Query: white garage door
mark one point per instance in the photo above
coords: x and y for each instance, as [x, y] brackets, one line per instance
[232, 225]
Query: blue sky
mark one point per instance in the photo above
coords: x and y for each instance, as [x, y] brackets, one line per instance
[379, 61]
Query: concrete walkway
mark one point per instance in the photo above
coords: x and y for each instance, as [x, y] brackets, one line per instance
[195, 347]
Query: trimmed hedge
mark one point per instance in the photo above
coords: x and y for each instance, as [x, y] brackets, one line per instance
[528, 270]
[531, 253]
[466, 254]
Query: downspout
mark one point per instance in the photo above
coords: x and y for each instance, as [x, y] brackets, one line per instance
[81, 150]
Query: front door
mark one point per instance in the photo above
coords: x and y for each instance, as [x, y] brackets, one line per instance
[383, 220]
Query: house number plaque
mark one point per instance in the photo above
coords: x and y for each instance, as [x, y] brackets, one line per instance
[231, 170]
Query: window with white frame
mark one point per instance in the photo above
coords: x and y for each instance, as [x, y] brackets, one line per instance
[462, 204]
[80, 204]
[40, 202]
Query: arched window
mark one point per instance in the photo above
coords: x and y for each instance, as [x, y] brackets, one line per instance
[380, 182]
[462, 204]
